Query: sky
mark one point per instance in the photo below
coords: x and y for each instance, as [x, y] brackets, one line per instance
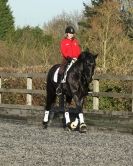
[38, 12]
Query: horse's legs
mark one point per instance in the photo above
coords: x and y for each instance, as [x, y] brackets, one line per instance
[61, 102]
[79, 106]
[50, 100]
[66, 114]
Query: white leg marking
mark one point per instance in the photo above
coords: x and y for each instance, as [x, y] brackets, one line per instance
[46, 116]
[74, 124]
[67, 117]
[81, 118]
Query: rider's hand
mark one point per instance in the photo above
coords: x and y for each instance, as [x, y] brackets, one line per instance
[69, 59]
[75, 59]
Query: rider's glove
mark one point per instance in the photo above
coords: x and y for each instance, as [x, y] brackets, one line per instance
[68, 59]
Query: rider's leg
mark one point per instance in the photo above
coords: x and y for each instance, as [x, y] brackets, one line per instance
[59, 87]
[79, 106]
[60, 77]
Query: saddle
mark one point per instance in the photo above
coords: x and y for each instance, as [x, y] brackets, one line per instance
[65, 73]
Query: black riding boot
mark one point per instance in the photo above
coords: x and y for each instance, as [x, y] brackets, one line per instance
[59, 86]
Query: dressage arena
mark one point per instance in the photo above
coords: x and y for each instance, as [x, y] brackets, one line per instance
[23, 144]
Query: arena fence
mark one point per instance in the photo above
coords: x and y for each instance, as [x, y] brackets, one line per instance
[29, 91]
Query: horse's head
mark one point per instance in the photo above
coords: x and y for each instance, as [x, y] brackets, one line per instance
[89, 62]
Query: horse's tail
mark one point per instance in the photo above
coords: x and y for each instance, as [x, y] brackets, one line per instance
[50, 88]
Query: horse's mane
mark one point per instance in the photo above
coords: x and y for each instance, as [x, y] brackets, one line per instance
[85, 54]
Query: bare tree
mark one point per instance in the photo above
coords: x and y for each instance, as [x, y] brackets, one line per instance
[105, 35]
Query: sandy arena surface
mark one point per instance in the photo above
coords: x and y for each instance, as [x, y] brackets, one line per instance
[23, 144]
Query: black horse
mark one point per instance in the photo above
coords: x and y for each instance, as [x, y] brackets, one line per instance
[76, 87]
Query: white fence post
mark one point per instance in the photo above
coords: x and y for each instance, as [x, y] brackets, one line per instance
[132, 96]
[29, 87]
[0, 93]
[96, 99]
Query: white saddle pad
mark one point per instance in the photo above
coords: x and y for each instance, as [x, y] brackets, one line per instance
[56, 76]
[65, 74]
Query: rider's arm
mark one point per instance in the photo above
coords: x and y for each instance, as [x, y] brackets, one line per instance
[77, 48]
[63, 49]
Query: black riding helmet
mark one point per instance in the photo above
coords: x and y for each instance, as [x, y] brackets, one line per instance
[70, 29]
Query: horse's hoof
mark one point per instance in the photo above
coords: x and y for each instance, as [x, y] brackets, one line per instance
[45, 125]
[68, 127]
[73, 126]
[83, 128]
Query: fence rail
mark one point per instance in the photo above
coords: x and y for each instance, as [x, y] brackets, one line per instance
[29, 91]
[96, 92]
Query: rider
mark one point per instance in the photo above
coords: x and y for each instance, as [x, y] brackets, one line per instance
[70, 49]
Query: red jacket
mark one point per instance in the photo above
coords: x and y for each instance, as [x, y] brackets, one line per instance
[70, 48]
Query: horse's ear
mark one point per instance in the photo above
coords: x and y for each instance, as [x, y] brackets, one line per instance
[87, 49]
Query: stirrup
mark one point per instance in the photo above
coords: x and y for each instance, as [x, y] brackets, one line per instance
[59, 91]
